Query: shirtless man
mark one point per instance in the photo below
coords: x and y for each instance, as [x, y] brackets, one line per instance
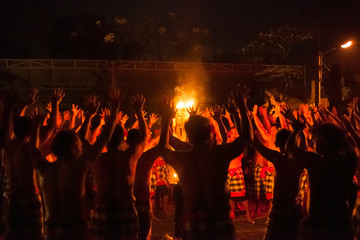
[24, 212]
[63, 181]
[331, 170]
[142, 190]
[264, 170]
[285, 214]
[203, 173]
[236, 181]
[115, 216]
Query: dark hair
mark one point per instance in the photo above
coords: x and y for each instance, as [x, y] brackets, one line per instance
[281, 137]
[95, 121]
[63, 143]
[117, 137]
[22, 127]
[198, 129]
[133, 137]
[333, 139]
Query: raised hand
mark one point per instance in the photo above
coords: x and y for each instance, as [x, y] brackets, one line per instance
[255, 110]
[66, 115]
[37, 117]
[105, 113]
[58, 95]
[34, 96]
[49, 107]
[91, 104]
[153, 118]
[75, 109]
[241, 95]
[231, 107]
[167, 108]
[122, 118]
[192, 110]
[207, 113]
[227, 114]
[298, 125]
[137, 103]
[217, 112]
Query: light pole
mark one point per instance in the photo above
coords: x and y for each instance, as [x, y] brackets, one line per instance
[321, 64]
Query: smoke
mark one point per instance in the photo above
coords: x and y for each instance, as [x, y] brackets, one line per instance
[192, 85]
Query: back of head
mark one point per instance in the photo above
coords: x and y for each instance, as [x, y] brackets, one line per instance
[117, 137]
[329, 139]
[133, 137]
[95, 121]
[198, 129]
[281, 137]
[22, 127]
[64, 143]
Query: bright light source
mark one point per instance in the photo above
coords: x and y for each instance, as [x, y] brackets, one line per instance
[187, 104]
[346, 45]
[175, 175]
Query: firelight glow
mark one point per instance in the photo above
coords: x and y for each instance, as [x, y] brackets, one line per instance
[346, 45]
[186, 104]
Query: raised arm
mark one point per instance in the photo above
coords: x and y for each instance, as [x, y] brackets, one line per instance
[264, 134]
[228, 118]
[167, 112]
[75, 110]
[57, 97]
[240, 101]
[37, 121]
[266, 122]
[137, 103]
[271, 155]
[243, 126]
[6, 128]
[94, 151]
[91, 107]
[217, 113]
[304, 157]
[152, 120]
[34, 96]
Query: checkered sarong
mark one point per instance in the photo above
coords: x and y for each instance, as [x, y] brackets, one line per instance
[303, 187]
[236, 183]
[118, 222]
[152, 186]
[264, 178]
[161, 171]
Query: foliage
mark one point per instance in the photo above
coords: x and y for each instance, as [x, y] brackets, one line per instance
[271, 47]
[92, 36]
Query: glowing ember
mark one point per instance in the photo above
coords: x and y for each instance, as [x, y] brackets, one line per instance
[175, 175]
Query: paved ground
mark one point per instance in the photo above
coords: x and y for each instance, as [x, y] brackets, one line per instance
[244, 230]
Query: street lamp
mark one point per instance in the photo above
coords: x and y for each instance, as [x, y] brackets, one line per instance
[321, 64]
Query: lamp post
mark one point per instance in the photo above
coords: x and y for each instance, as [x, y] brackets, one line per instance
[321, 64]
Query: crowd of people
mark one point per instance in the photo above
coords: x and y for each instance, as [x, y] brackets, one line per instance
[84, 173]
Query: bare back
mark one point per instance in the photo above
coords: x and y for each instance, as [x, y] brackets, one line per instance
[115, 175]
[63, 185]
[20, 162]
[203, 174]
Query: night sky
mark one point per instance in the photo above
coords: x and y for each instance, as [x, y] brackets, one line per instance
[229, 22]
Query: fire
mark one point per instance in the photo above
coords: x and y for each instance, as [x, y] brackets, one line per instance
[181, 116]
[186, 104]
